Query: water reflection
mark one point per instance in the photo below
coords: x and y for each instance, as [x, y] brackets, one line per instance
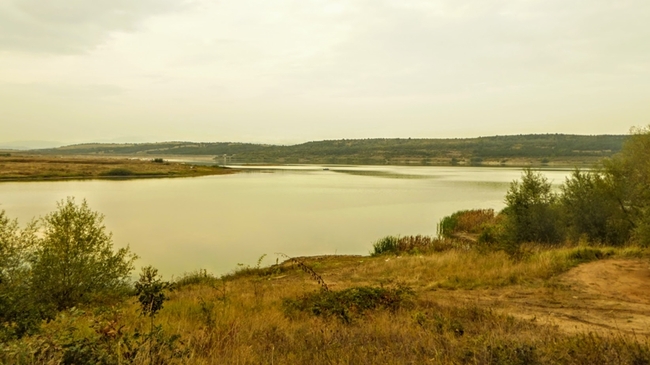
[215, 222]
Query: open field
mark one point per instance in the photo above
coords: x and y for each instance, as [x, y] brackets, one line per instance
[27, 168]
[556, 306]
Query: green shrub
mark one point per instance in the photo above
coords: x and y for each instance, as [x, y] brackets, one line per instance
[349, 303]
[447, 225]
[75, 263]
[627, 177]
[590, 209]
[532, 213]
[104, 342]
[385, 245]
[490, 235]
[20, 313]
[118, 172]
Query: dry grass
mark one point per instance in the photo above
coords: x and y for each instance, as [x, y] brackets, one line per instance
[24, 168]
[239, 319]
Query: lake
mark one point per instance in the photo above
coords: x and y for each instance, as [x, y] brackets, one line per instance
[215, 222]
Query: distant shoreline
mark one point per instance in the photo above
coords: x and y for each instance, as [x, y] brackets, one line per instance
[21, 168]
[35, 168]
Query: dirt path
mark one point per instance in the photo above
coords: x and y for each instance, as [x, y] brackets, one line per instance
[608, 297]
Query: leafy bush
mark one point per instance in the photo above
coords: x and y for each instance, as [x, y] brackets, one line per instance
[75, 263]
[19, 312]
[491, 234]
[348, 303]
[532, 212]
[106, 341]
[628, 176]
[591, 211]
[385, 245]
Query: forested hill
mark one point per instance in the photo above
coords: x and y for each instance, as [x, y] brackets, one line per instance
[542, 147]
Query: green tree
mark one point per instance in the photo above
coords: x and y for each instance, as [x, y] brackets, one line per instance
[590, 209]
[150, 290]
[532, 212]
[19, 313]
[628, 177]
[75, 262]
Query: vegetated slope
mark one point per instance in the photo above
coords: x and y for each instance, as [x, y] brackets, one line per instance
[379, 151]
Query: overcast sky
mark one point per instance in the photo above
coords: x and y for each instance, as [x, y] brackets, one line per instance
[288, 71]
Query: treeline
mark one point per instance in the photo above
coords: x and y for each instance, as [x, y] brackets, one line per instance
[378, 151]
[608, 205]
[389, 150]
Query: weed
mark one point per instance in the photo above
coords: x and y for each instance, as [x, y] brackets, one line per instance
[304, 267]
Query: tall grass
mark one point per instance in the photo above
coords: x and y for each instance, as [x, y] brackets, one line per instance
[411, 245]
[241, 320]
[245, 330]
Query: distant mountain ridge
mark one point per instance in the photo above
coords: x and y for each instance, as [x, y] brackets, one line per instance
[375, 150]
[28, 145]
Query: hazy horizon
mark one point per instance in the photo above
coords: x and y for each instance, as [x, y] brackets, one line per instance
[26, 145]
[288, 72]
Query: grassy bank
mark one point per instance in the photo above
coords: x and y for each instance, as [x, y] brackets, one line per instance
[33, 168]
[251, 316]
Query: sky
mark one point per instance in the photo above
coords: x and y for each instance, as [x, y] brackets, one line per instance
[290, 71]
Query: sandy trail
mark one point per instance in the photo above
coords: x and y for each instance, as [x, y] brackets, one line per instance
[608, 297]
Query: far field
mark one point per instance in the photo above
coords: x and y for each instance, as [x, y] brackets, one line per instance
[27, 168]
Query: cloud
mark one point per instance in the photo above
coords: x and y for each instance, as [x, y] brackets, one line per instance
[71, 26]
[411, 48]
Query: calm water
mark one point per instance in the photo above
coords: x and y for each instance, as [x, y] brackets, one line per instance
[215, 222]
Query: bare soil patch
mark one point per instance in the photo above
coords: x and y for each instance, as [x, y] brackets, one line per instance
[610, 297]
